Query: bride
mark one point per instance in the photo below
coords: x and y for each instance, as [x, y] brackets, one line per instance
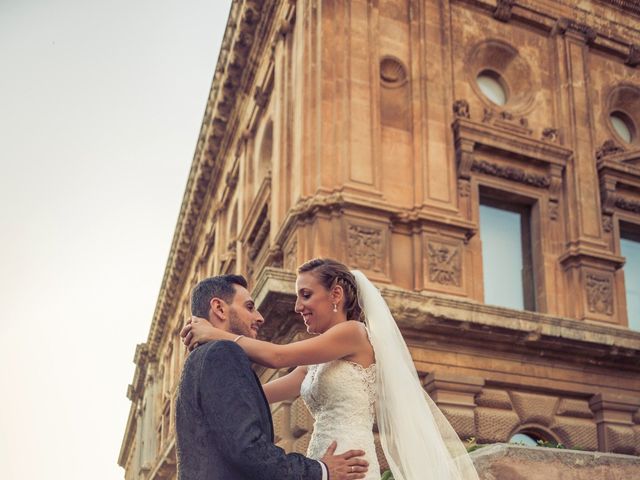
[355, 369]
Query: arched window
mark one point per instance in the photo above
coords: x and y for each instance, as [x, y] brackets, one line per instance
[533, 436]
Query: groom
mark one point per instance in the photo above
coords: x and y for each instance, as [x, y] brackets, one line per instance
[223, 422]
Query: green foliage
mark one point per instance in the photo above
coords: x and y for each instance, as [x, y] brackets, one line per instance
[472, 445]
[547, 444]
[387, 475]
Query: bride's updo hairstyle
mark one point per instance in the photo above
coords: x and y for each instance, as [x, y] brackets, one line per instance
[330, 273]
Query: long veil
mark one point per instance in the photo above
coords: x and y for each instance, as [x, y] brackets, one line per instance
[418, 441]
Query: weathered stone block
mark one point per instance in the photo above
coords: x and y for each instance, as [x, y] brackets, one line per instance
[514, 462]
[576, 432]
[533, 408]
[494, 399]
[493, 425]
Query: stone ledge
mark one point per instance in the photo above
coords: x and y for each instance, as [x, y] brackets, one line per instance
[425, 314]
[515, 462]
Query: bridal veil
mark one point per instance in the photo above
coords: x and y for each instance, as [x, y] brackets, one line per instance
[418, 441]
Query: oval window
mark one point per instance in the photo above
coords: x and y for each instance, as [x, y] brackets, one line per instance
[623, 126]
[492, 86]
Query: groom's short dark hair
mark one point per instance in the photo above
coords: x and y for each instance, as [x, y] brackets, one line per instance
[221, 286]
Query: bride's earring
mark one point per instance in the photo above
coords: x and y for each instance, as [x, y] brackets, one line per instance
[335, 308]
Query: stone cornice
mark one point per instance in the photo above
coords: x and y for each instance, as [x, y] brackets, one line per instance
[128, 437]
[231, 76]
[553, 16]
[631, 6]
[233, 73]
[425, 314]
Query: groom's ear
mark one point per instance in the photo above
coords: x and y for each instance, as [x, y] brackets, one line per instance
[218, 309]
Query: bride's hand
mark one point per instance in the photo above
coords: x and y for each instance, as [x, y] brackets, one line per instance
[198, 331]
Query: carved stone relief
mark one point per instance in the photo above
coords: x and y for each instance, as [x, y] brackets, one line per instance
[628, 205]
[608, 148]
[395, 107]
[392, 73]
[445, 263]
[365, 247]
[565, 25]
[511, 173]
[550, 135]
[464, 188]
[554, 209]
[599, 294]
[633, 59]
[502, 11]
[506, 119]
[631, 5]
[461, 109]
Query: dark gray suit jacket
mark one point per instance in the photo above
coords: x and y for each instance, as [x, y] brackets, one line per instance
[223, 422]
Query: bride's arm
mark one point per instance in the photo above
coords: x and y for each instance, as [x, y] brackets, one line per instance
[339, 341]
[285, 388]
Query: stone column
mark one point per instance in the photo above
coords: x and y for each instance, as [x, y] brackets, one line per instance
[614, 418]
[588, 264]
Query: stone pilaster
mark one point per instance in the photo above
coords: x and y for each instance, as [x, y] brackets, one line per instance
[455, 396]
[614, 418]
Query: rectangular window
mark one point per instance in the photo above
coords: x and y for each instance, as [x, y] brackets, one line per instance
[630, 249]
[505, 232]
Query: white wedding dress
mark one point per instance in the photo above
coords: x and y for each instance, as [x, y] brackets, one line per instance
[341, 397]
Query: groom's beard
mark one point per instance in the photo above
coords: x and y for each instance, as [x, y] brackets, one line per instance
[237, 326]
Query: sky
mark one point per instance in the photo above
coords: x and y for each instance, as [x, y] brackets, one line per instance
[100, 109]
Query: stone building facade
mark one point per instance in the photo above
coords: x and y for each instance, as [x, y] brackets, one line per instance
[375, 132]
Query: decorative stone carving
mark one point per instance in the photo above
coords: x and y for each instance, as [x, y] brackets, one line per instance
[630, 5]
[392, 73]
[599, 294]
[445, 265]
[633, 59]
[550, 134]
[511, 173]
[506, 119]
[464, 188]
[504, 115]
[565, 25]
[487, 115]
[607, 224]
[502, 11]
[628, 205]
[364, 246]
[461, 109]
[608, 148]
[554, 209]
[534, 408]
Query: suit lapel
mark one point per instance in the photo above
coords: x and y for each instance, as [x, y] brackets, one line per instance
[266, 404]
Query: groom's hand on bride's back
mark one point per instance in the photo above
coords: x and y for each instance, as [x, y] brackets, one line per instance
[347, 465]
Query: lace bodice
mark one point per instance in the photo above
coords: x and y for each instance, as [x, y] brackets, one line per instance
[341, 397]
